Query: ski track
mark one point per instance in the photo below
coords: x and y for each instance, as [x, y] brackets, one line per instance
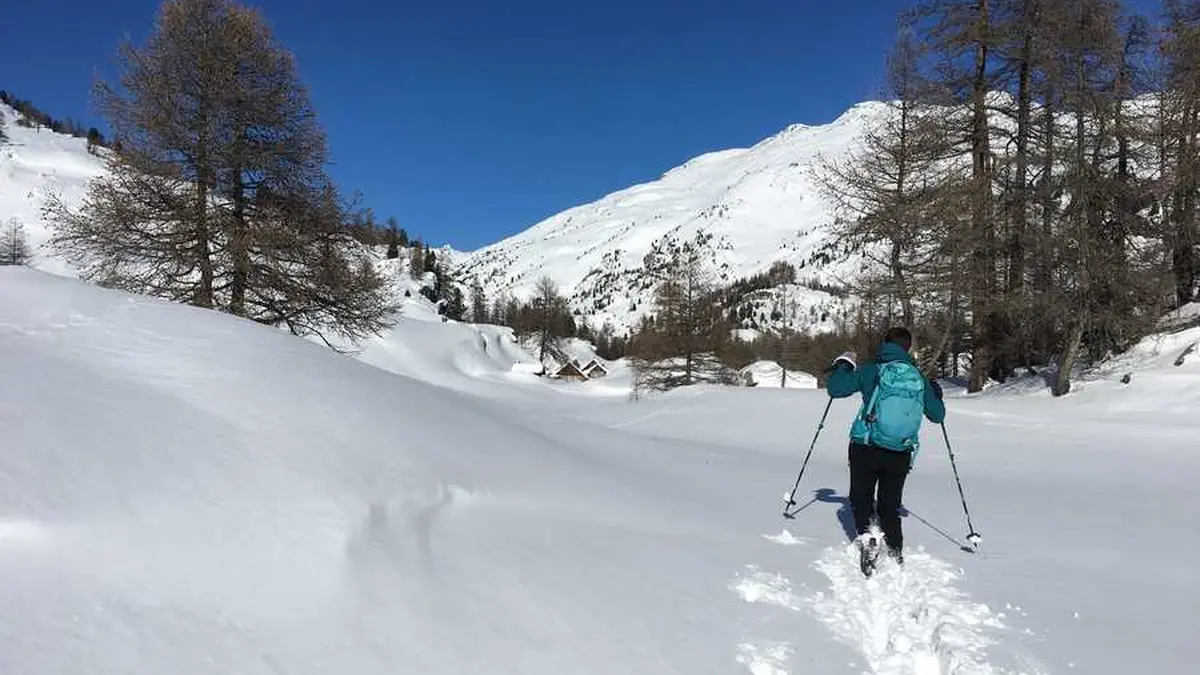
[909, 620]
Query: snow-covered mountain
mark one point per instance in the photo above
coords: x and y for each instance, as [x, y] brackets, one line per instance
[760, 205]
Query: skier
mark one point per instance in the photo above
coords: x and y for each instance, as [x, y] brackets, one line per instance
[883, 437]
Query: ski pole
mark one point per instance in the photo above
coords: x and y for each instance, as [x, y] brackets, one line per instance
[972, 535]
[821, 425]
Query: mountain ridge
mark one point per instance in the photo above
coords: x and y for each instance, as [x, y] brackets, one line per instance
[760, 204]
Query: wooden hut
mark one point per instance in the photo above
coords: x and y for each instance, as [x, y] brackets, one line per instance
[594, 369]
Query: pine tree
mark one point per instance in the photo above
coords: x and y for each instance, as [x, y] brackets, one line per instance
[479, 304]
[416, 260]
[393, 250]
[453, 306]
[14, 245]
[218, 195]
[430, 260]
[94, 139]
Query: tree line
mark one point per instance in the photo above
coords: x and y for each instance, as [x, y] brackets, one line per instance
[1029, 197]
[217, 193]
[34, 118]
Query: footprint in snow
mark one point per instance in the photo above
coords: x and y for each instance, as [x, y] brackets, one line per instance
[756, 585]
[905, 620]
[786, 538]
[765, 658]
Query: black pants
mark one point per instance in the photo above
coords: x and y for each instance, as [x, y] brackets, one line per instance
[872, 468]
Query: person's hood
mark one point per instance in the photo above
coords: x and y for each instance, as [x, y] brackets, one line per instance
[890, 351]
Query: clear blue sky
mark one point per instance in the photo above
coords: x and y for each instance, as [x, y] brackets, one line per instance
[470, 120]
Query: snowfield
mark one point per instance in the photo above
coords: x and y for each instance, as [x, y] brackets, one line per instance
[185, 492]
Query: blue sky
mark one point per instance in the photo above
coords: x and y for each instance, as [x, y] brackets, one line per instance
[471, 120]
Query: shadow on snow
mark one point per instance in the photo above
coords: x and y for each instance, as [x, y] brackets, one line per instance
[845, 515]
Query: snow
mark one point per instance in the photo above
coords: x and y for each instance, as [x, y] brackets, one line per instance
[33, 163]
[761, 204]
[770, 374]
[182, 491]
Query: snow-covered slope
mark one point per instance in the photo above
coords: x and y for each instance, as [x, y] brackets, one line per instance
[32, 163]
[185, 492]
[760, 204]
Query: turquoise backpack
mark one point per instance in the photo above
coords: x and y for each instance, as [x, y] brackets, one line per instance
[891, 419]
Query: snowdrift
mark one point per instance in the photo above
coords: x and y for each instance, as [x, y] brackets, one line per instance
[480, 359]
[182, 491]
[770, 374]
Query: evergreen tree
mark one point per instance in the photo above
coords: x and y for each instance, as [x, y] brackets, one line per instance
[416, 260]
[479, 305]
[14, 245]
[393, 250]
[430, 260]
[94, 139]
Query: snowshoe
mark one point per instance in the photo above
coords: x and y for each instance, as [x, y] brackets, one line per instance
[868, 553]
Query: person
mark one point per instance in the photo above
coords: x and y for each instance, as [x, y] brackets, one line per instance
[884, 434]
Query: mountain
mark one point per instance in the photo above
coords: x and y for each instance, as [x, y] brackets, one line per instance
[761, 205]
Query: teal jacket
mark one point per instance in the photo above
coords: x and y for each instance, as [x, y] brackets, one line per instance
[844, 382]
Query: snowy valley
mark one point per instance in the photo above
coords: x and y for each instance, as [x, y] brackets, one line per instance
[182, 491]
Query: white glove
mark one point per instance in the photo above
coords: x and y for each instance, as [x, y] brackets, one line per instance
[849, 357]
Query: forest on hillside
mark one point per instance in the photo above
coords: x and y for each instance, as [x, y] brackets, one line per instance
[1028, 201]
[1031, 197]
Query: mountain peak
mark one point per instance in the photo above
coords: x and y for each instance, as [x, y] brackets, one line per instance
[760, 205]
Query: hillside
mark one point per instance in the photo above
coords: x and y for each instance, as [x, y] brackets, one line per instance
[32, 163]
[182, 491]
[760, 204]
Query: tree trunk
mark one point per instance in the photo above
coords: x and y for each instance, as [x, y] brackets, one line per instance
[1062, 383]
[1183, 254]
[204, 292]
[239, 247]
[982, 229]
[1044, 281]
[1020, 220]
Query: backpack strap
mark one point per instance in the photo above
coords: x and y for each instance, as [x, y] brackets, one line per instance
[867, 412]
